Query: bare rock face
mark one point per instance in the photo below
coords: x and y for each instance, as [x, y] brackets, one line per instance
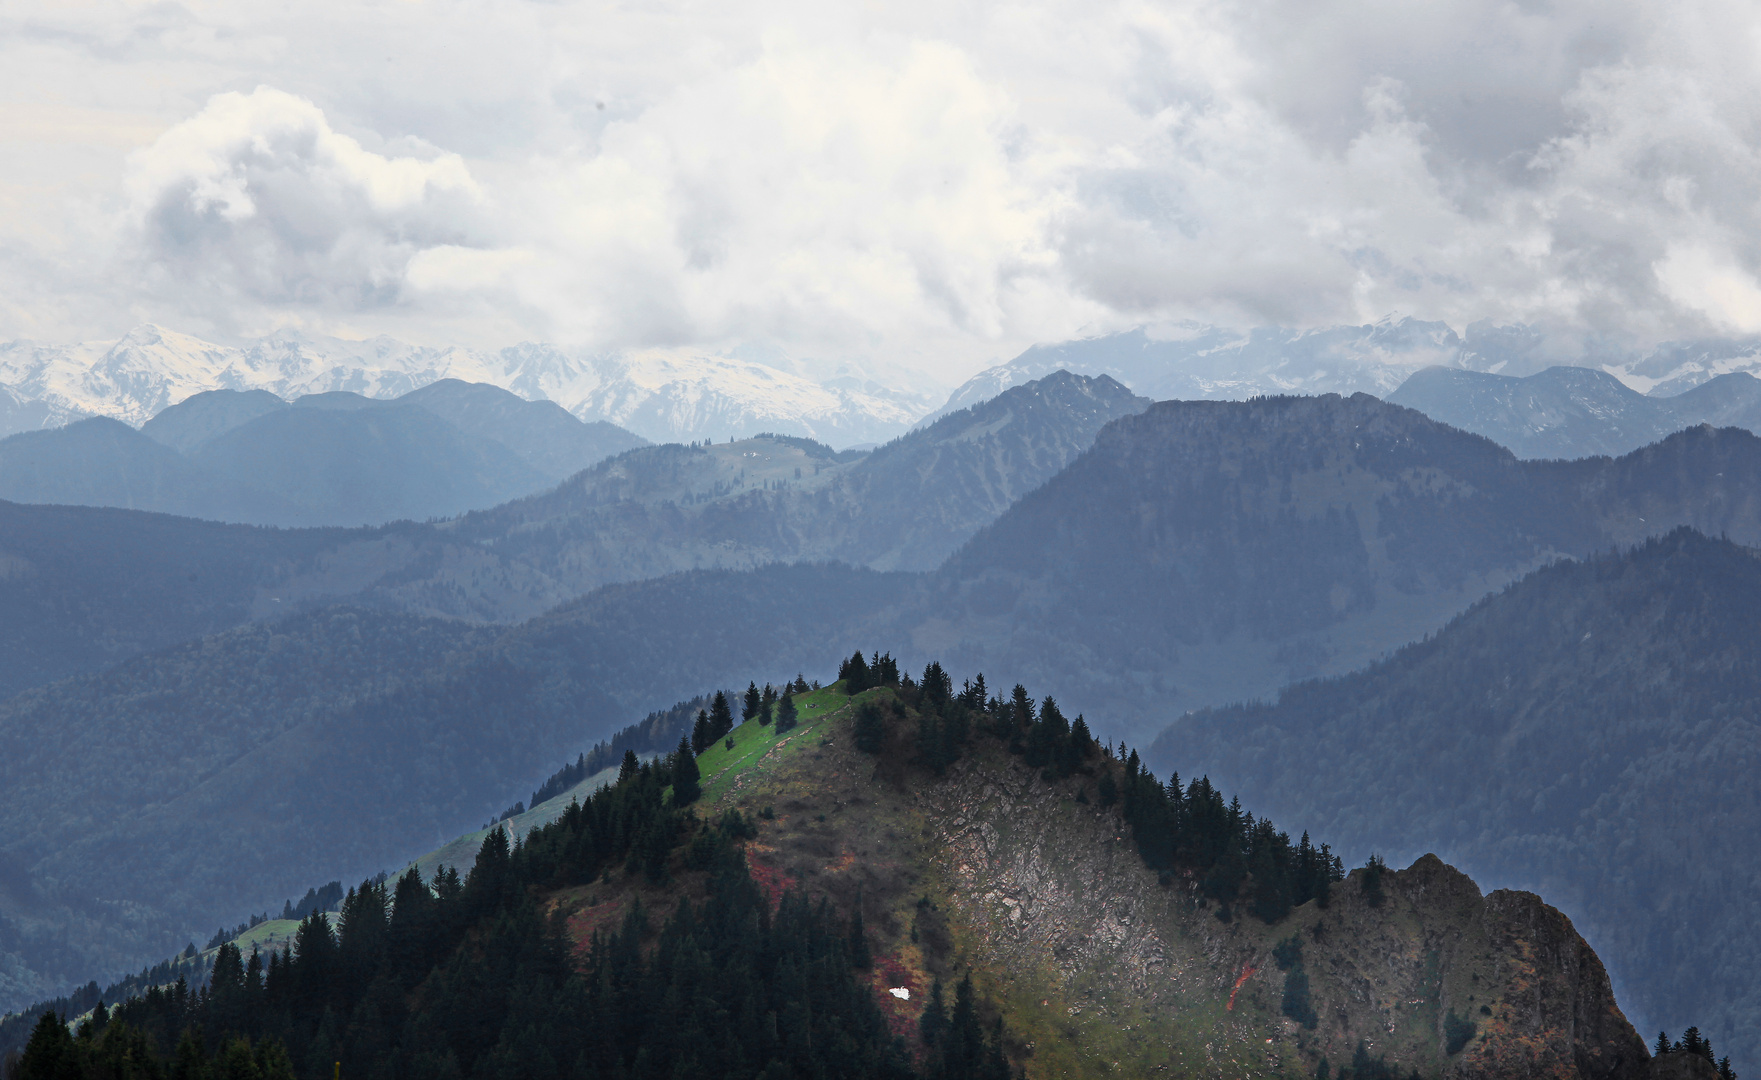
[1109, 967]
[1558, 1015]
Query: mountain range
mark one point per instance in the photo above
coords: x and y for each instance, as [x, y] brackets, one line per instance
[1196, 362]
[684, 396]
[1195, 554]
[1568, 412]
[335, 458]
[86, 588]
[663, 396]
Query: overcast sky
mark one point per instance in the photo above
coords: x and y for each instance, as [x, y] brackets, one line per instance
[929, 184]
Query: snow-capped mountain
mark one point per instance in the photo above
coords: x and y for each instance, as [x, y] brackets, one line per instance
[663, 395]
[1200, 362]
[675, 395]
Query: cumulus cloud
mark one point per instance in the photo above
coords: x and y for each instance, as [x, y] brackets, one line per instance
[256, 200]
[921, 181]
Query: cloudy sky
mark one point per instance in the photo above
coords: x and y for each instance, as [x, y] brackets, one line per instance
[934, 185]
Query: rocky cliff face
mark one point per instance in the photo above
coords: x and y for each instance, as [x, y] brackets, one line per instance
[1055, 888]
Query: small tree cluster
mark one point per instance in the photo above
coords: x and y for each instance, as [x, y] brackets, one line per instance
[1235, 856]
[1692, 1042]
[956, 1043]
[712, 724]
[858, 674]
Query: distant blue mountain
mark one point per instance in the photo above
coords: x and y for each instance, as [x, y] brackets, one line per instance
[1573, 412]
[335, 458]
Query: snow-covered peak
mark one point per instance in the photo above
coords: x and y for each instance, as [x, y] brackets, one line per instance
[664, 395]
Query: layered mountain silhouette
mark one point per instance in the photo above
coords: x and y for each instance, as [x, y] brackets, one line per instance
[334, 458]
[738, 505]
[1570, 412]
[104, 462]
[652, 511]
[1191, 361]
[1591, 731]
[1198, 553]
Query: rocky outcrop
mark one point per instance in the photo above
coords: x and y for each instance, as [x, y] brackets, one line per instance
[1557, 1015]
[1051, 895]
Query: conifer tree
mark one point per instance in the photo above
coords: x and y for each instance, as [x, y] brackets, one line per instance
[749, 707]
[786, 714]
[686, 775]
[938, 688]
[871, 728]
[50, 1054]
[935, 1016]
[721, 717]
[701, 739]
[854, 674]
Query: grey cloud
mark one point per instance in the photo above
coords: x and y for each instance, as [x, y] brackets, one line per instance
[915, 180]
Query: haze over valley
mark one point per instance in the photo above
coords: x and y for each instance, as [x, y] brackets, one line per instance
[899, 542]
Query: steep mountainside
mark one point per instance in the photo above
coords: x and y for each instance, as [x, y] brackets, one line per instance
[200, 417]
[550, 441]
[970, 915]
[1198, 554]
[340, 737]
[1569, 412]
[20, 413]
[1591, 732]
[913, 502]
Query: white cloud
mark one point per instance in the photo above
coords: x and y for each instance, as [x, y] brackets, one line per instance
[255, 200]
[933, 184]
